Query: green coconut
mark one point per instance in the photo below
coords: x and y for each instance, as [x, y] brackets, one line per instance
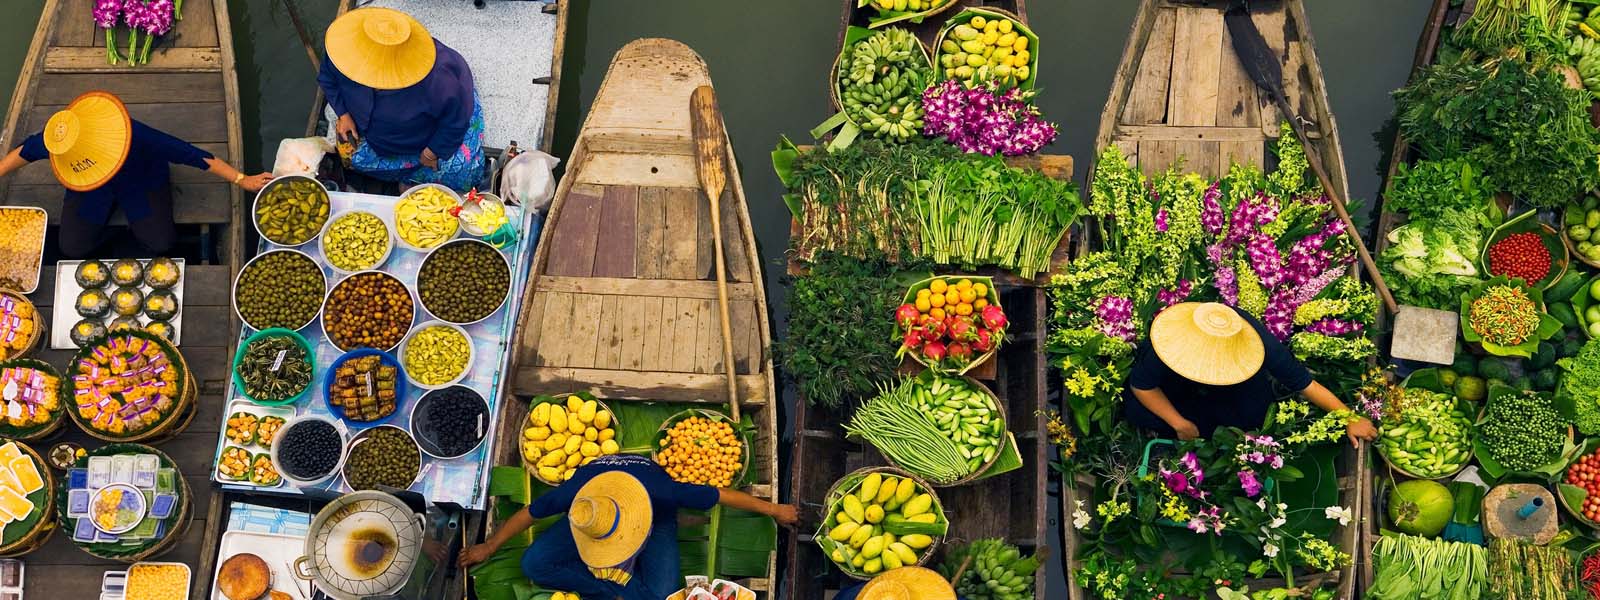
[1420, 507]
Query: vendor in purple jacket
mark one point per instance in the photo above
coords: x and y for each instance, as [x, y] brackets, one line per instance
[404, 99]
[618, 536]
[107, 160]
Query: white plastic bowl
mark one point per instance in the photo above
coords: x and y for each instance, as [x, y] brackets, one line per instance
[400, 239]
[472, 355]
[326, 227]
[277, 444]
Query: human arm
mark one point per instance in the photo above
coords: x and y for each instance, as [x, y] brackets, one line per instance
[454, 116]
[177, 151]
[478, 553]
[12, 161]
[225, 171]
[785, 514]
[1357, 428]
[1157, 402]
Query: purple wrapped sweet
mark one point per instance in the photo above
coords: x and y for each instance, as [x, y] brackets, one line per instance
[162, 507]
[84, 531]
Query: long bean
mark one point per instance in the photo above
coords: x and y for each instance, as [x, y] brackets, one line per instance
[893, 424]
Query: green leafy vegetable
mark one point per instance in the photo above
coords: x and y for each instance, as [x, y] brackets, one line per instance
[1431, 188]
[1580, 385]
[838, 345]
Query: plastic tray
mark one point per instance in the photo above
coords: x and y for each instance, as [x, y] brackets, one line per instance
[66, 299]
[39, 260]
[279, 552]
[188, 579]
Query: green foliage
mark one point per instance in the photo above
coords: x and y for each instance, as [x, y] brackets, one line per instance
[1580, 388]
[1431, 188]
[841, 340]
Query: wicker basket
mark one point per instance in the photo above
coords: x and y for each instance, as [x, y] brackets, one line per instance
[833, 72]
[175, 423]
[989, 13]
[532, 469]
[1000, 407]
[917, 17]
[46, 526]
[39, 328]
[178, 523]
[63, 399]
[849, 483]
[745, 441]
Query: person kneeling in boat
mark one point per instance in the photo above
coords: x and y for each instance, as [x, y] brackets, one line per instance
[619, 537]
[904, 583]
[106, 159]
[1207, 365]
[404, 99]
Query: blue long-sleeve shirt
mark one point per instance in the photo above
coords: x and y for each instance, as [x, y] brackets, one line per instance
[149, 153]
[432, 114]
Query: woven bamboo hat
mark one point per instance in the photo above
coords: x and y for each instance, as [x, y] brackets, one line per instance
[88, 141]
[908, 583]
[610, 518]
[1207, 343]
[380, 48]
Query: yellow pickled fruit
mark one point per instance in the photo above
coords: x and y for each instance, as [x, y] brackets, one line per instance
[917, 506]
[558, 419]
[1002, 71]
[992, 27]
[990, 37]
[917, 541]
[853, 507]
[609, 446]
[843, 517]
[964, 33]
[843, 531]
[549, 474]
[1004, 26]
[587, 411]
[988, 51]
[586, 460]
[926, 517]
[589, 449]
[591, 435]
[969, 294]
[872, 567]
[574, 403]
[1006, 39]
[577, 428]
[1020, 58]
[974, 61]
[869, 485]
[901, 550]
[907, 489]
[950, 73]
[602, 419]
[1022, 73]
[558, 596]
[892, 504]
[858, 560]
[1021, 43]
[873, 547]
[572, 461]
[978, 22]
[860, 536]
[537, 434]
[531, 453]
[540, 415]
[961, 72]
[573, 443]
[607, 434]
[888, 538]
[951, 47]
[891, 560]
[875, 513]
[555, 441]
[886, 491]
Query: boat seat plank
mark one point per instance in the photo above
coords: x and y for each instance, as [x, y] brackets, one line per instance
[557, 314]
[641, 385]
[1236, 93]
[609, 347]
[615, 255]
[1197, 61]
[192, 203]
[651, 226]
[575, 237]
[1174, 133]
[681, 239]
[193, 122]
[1147, 102]
[132, 88]
[166, 58]
[689, 288]
[681, 338]
[39, 173]
[583, 331]
[660, 170]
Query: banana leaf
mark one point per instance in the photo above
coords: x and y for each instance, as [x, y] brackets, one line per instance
[1495, 471]
[1548, 325]
[117, 549]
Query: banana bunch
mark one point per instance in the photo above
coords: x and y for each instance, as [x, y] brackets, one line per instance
[997, 572]
[1585, 52]
[898, 6]
[1582, 22]
[881, 79]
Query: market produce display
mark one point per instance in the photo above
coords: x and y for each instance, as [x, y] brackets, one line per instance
[356, 240]
[21, 325]
[423, 219]
[126, 384]
[980, 47]
[1429, 436]
[1524, 571]
[157, 581]
[451, 422]
[279, 288]
[24, 493]
[1407, 565]
[371, 309]
[561, 436]
[122, 500]
[1506, 317]
[384, 455]
[965, 412]
[918, 425]
[993, 560]
[126, 272]
[1520, 256]
[984, 120]
[464, 281]
[701, 447]
[32, 398]
[273, 367]
[1580, 489]
[21, 247]
[128, 294]
[309, 451]
[1582, 219]
[951, 323]
[365, 386]
[1580, 383]
[880, 77]
[291, 210]
[1521, 431]
[1420, 507]
[436, 355]
[880, 521]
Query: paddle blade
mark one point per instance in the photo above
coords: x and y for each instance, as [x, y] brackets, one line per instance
[711, 158]
[1258, 59]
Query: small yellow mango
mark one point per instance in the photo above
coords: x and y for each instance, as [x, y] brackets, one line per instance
[607, 434]
[872, 567]
[843, 531]
[903, 551]
[591, 435]
[574, 403]
[573, 443]
[558, 419]
[609, 446]
[590, 449]
[602, 419]
[587, 411]
[917, 541]
[572, 461]
[549, 474]
[555, 441]
[537, 434]
[540, 415]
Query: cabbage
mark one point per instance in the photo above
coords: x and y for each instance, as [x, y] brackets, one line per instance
[1430, 261]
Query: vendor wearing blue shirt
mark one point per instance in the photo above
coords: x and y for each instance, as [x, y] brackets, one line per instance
[619, 537]
[107, 160]
[1206, 365]
[405, 99]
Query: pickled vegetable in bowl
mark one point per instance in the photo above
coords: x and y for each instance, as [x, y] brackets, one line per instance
[423, 218]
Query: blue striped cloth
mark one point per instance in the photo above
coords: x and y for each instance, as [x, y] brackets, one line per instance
[261, 519]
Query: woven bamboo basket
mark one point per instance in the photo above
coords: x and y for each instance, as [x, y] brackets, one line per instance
[744, 438]
[532, 469]
[39, 328]
[849, 483]
[179, 523]
[988, 12]
[175, 423]
[57, 419]
[46, 526]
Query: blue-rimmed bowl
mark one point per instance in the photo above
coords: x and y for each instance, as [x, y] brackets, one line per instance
[400, 385]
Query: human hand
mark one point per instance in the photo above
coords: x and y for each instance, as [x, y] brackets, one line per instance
[474, 554]
[1360, 430]
[1185, 429]
[429, 160]
[786, 514]
[346, 129]
[254, 183]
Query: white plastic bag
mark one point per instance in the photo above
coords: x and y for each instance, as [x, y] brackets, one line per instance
[300, 156]
[529, 180]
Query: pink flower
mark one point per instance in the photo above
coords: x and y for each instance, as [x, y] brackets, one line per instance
[1176, 295]
[1277, 461]
[1114, 317]
[1250, 483]
[1334, 327]
[1161, 220]
[106, 13]
[1211, 209]
[985, 121]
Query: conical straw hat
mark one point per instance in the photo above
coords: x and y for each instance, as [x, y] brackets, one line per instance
[380, 48]
[88, 141]
[1207, 343]
[908, 583]
[610, 518]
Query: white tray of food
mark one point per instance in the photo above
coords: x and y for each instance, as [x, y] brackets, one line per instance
[65, 315]
[276, 550]
[22, 230]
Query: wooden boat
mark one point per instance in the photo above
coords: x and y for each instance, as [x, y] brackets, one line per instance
[928, 29]
[187, 89]
[1181, 94]
[621, 300]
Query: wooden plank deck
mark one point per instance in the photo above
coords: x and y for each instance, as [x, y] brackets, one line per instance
[189, 90]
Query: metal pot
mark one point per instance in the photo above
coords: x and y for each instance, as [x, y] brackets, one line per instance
[363, 544]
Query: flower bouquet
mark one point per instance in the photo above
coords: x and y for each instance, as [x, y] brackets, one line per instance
[1506, 317]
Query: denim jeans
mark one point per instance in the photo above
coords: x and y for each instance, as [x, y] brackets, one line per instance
[553, 563]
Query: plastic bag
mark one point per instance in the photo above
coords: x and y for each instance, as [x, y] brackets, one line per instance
[300, 156]
[529, 180]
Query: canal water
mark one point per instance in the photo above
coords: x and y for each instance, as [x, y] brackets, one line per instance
[770, 63]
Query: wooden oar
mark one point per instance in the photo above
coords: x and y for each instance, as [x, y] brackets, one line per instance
[711, 161]
[1261, 64]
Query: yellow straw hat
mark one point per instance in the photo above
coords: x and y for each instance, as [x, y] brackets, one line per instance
[1207, 343]
[907, 583]
[88, 141]
[610, 518]
[380, 48]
